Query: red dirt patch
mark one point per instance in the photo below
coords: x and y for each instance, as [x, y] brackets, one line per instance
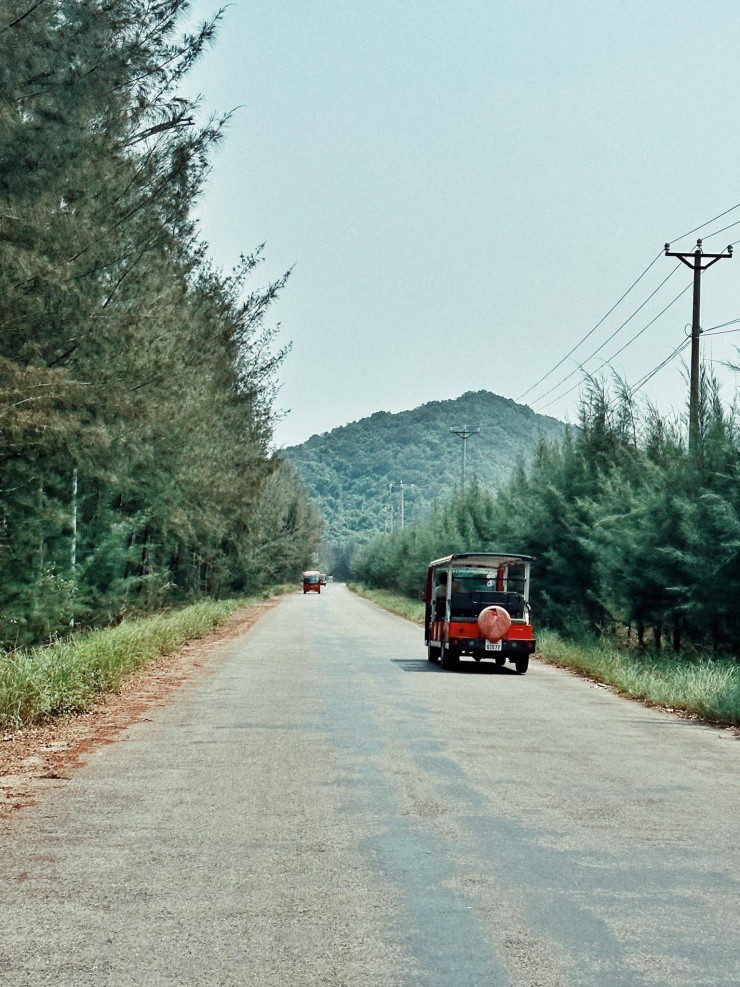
[35, 759]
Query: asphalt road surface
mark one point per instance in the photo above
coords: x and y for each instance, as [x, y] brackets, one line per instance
[330, 809]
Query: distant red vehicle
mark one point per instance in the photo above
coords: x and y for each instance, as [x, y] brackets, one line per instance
[478, 604]
[322, 578]
[312, 581]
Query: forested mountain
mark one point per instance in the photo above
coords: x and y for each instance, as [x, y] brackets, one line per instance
[136, 382]
[348, 470]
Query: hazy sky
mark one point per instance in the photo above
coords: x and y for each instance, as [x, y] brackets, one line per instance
[466, 188]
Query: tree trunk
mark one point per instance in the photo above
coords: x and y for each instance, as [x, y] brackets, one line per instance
[41, 527]
[677, 634]
[143, 559]
[73, 546]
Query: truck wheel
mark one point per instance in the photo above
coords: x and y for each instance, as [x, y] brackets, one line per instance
[521, 664]
[450, 659]
[432, 653]
[500, 659]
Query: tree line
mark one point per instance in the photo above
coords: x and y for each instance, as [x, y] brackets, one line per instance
[631, 532]
[137, 381]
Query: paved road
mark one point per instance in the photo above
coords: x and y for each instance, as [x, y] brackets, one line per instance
[330, 809]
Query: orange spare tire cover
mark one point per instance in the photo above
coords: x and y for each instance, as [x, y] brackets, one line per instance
[494, 622]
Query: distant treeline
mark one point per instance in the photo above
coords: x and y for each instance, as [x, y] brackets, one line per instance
[136, 382]
[628, 528]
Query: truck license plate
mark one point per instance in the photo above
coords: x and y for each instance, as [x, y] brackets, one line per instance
[493, 645]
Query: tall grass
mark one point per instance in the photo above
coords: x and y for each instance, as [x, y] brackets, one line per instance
[67, 677]
[707, 687]
[401, 605]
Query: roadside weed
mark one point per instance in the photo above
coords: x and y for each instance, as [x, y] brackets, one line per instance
[66, 677]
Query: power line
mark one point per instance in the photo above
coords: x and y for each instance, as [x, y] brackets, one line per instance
[717, 232]
[591, 331]
[649, 376]
[725, 332]
[638, 334]
[611, 337]
[607, 360]
[718, 216]
[681, 346]
[721, 325]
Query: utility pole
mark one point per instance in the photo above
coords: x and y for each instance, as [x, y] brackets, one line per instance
[402, 507]
[464, 433]
[390, 491]
[695, 261]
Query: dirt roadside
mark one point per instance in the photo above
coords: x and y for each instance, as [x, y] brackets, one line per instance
[38, 758]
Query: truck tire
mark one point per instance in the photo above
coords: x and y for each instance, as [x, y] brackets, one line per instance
[521, 664]
[432, 653]
[450, 659]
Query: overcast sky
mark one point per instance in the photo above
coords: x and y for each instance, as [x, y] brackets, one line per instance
[464, 189]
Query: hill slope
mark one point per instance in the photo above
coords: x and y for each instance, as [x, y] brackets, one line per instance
[347, 471]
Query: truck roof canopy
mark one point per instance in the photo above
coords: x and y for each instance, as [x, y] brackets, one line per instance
[484, 560]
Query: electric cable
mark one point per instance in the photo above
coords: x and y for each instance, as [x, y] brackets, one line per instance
[638, 334]
[591, 331]
[717, 232]
[721, 325]
[663, 363]
[697, 228]
[583, 339]
[611, 337]
[607, 360]
[682, 346]
[724, 333]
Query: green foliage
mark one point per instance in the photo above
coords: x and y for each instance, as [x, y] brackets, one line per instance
[398, 561]
[126, 360]
[628, 528]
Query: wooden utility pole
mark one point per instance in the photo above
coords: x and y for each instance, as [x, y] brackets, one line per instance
[698, 261]
[464, 433]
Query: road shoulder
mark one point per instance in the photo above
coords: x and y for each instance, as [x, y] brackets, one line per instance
[39, 758]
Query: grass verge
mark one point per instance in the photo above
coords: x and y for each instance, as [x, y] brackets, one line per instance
[68, 676]
[401, 605]
[706, 687]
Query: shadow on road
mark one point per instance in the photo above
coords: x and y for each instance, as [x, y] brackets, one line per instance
[464, 668]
